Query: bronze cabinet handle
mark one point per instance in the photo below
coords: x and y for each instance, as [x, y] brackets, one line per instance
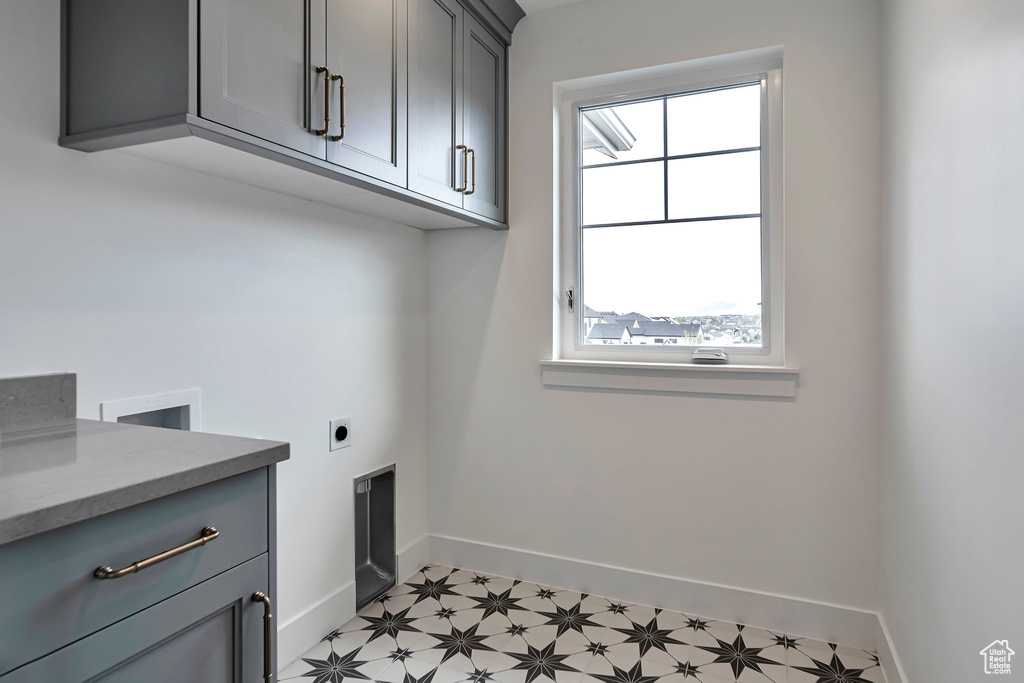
[339, 77]
[473, 152]
[465, 166]
[205, 536]
[268, 633]
[327, 100]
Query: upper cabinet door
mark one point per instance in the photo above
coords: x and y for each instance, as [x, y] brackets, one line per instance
[258, 70]
[367, 57]
[484, 121]
[436, 166]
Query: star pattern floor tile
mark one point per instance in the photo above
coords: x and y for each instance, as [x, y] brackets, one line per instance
[454, 626]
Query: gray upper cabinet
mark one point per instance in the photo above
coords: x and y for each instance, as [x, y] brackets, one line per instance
[255, 70]
[367, 58]
[457, 109]
[393, 108]
[484, 121]
[436, 164]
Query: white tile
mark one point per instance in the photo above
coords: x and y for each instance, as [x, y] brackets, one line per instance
[699, 676]
[349, 640]
[527, 618]
[606, 666]
[525, 589]
[519, 676]
[459, 602]
[672, 620]
[612, 619]
[811, 644]
[438, 656]
[640, 614]
[726, 671]
[855, 652]
[603, 635]
[396, 673]
[540, 636]
[395, 603]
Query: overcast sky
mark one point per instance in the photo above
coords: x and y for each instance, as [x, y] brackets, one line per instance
[682, 268]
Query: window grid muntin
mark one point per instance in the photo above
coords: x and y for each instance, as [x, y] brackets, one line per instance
[665, 158]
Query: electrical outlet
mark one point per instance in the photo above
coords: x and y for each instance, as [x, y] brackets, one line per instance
[341, 433]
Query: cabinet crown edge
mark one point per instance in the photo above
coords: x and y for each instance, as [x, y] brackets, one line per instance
[501, 16]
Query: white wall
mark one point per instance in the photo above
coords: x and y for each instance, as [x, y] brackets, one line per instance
[773, 496]
[143, 278]
[952, 468]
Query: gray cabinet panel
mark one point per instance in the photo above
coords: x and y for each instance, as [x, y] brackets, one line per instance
[197, 653]
[255, 71]
[484, 120]
[211, 633]
[367, 45]
[435, 94]
[108, 84]
[50, 596]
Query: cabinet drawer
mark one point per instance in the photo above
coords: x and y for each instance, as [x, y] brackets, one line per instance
[212, 633]
[49, 596]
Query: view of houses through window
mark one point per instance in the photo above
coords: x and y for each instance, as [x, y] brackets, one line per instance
[671, 219]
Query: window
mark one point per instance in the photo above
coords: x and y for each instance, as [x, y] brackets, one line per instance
[674, 238]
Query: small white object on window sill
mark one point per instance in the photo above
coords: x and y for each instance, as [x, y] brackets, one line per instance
[710, 357]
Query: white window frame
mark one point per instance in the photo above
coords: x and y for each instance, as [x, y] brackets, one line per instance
[704, 74]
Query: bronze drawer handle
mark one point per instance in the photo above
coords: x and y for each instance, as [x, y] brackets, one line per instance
[206, 535]
[327, 100]
[473, 152]
[341, 87]
[268, 633]
[465, 168]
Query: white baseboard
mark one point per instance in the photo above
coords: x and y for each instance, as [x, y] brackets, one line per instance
[820, 621]
[306, 629]
[412, 557]
[891, 666]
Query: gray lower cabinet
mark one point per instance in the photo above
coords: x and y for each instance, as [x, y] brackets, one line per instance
[457, 109]
[212, 633]
[368, 61]
[159, 591]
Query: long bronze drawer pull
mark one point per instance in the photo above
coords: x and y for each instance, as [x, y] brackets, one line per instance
[473, 152]
[268, 633]
[341, 122]
[206, 535]
[327, 100]
[465, 168]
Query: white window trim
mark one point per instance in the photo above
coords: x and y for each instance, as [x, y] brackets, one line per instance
[569, 352]
[732, 379]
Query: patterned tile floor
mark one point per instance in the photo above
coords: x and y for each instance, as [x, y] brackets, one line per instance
[453, 626]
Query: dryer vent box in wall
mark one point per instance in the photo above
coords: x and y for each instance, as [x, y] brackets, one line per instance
[177, 410]
[376, 559]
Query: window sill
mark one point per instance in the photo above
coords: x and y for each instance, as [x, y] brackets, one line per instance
[730, 380]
